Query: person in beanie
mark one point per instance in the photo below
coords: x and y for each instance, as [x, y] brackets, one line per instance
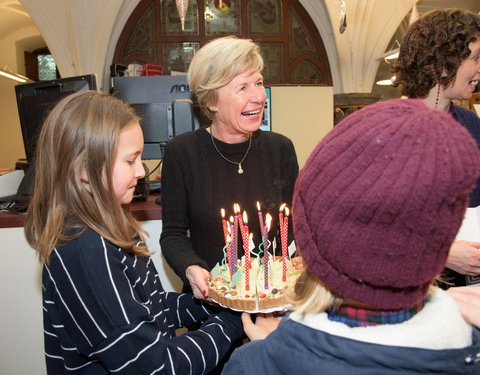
[375, 210]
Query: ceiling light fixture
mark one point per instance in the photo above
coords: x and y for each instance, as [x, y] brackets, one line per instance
[16, 77]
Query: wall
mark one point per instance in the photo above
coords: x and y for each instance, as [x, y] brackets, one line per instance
[11, 142]
[12, 59]
[304, 114]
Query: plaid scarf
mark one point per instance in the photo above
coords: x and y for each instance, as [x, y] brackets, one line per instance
[354, 317]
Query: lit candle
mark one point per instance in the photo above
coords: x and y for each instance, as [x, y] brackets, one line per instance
[224, 225]
[246, 250]
[268, 220]
[236, 208]
[260, 220]
[284, 239]
[280, 217]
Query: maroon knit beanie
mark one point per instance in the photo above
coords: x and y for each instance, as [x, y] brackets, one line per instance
[380, 200]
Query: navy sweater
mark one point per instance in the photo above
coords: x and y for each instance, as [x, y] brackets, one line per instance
[472, 122]
[105, 311]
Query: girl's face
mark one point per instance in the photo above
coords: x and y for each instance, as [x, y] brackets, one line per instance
[127, 165]
[240, 103]
[468, 74]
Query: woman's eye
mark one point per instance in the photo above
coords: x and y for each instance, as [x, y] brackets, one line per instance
[131, 162]
[260, 83]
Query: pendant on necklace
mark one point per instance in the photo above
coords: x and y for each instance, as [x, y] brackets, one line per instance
[240, 170]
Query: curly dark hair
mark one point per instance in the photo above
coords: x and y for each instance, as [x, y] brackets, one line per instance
[434, 45]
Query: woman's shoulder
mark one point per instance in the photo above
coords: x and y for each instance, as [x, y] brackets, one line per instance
[464, 115]
[273, 138]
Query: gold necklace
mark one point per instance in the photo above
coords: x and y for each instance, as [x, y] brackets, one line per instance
[240, 170]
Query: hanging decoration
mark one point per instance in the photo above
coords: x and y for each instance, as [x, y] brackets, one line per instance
[343, 17]
[182, 6]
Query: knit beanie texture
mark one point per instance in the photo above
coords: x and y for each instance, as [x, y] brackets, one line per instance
[380, 199]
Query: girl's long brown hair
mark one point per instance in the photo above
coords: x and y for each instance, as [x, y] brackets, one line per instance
[79, 138]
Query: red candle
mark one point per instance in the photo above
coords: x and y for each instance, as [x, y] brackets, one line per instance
[280, 217]
[224, 224]
[246, 250]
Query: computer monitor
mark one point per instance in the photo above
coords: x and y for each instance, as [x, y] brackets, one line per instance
[35, 100]
[266, 124]
[166, 105]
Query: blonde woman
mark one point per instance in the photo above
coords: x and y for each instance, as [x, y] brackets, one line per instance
[229, 161]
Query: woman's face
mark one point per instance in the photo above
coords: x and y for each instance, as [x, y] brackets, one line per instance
[468, 75]
[127, 165]
[240, 103]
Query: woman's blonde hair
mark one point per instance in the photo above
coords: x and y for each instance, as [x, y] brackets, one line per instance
[311, 296]
[217, 63]
[79, 138]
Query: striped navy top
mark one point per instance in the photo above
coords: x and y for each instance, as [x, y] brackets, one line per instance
[105, 311]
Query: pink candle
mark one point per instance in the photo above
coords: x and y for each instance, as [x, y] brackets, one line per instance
[234, 255]
[236, 208]
[284, 239]
[228, 250]
[268, 220]
[260, 220]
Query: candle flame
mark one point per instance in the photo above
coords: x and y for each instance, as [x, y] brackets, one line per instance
[258, 205]
[251, 236]
[268, 221]
[229, 238]
[286, 211]
[231, 219]
[222, 212]
[236, 208]
[245, 217]
[282, 207]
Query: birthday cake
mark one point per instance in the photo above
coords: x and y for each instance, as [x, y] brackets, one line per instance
[254, 289]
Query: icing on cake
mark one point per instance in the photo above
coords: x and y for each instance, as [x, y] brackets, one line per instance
[258, 297]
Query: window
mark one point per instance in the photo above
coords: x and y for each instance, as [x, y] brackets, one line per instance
[40, 65]
[291, 45]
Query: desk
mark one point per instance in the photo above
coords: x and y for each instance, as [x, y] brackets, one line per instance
[142, 210]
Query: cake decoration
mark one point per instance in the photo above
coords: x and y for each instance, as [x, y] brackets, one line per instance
[258, 281]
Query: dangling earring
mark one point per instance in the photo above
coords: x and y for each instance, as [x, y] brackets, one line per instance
[438, 95]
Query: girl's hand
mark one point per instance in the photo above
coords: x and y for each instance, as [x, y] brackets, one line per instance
[263, 326]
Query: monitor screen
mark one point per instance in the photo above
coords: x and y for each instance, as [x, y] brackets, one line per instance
[166, 105]
[35, 100]
[266, 124]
